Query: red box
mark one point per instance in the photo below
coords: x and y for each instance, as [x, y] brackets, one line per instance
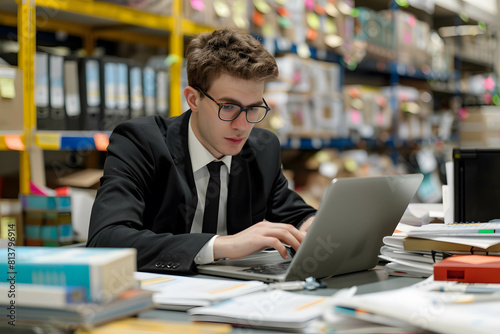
[468, 268]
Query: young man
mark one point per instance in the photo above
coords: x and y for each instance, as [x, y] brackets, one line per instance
[157, 182]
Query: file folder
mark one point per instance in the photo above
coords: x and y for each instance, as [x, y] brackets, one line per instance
[149, 90]
[42, 91]
[109, 81]
[57, 114]
[162, 93]
[114, 80]
[90, 93]
[136, 91]
[72, 94]
[123, 95]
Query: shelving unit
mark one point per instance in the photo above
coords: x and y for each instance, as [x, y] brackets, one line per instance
[90, 21]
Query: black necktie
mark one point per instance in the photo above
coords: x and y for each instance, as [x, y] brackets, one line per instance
[211, 213]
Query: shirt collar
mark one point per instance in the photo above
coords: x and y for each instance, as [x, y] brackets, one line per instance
[200, 156]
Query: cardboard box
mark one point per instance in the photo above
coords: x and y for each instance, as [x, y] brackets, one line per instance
[481, 128]
[158, 7]
[205, 16]
[11, 99]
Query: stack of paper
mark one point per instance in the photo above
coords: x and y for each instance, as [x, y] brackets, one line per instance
[423, 213]
[275, 309]
[423, 307]
[400, 261]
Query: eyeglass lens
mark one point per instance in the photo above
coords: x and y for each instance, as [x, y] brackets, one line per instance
[229, 112]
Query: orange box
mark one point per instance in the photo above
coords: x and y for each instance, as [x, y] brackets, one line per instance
[468, 268]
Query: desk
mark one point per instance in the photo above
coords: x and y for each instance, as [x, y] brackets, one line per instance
[372, 280]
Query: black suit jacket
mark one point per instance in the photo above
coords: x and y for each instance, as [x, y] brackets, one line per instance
[147, 198]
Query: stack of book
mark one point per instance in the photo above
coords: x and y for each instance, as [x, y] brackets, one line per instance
[70, 288]
[47, 220]
[412, 250]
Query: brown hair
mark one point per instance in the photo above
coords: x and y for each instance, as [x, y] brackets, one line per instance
[227, 51]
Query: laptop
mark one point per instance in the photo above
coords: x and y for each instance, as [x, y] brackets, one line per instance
[346, 235]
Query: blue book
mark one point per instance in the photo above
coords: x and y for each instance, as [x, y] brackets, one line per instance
[103, 272]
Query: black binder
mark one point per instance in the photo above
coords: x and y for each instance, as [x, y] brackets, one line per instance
[136, 94]
[42, 91]
[162, 93]
[90, 93]
[114, 93]
[476, 184]
[149, 90]
[72, 99]
[57, 114]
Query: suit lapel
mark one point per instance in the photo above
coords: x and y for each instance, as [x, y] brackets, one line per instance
[177, 141]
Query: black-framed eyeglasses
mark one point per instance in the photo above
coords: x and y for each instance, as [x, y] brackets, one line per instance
[230, 111]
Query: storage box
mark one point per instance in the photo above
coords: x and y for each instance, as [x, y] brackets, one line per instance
[199, 12]
[158, 7]
[11, 99]
[481, 128]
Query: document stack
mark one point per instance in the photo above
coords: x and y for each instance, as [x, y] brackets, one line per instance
[70, 287]
[413, 249]
[428, 306]
[249, 304]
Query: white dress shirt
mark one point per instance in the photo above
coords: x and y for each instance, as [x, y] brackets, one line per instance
[200, 158]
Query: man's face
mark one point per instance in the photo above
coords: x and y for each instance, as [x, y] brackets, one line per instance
[226, 137]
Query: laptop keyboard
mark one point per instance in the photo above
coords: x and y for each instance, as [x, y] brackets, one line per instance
[269, 269]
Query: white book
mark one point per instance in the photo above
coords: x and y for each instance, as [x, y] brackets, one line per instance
[181, 293]
[475, 230]
[37, 295]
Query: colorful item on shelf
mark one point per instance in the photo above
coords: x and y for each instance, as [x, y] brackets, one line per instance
[221, 8]
[198, 5]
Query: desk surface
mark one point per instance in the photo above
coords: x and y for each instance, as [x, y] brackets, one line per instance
[372, 280]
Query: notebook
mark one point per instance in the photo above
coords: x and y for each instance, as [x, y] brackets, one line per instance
[346, 235]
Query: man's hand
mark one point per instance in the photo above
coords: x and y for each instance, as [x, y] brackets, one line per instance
[305, 225]
[256, 238]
